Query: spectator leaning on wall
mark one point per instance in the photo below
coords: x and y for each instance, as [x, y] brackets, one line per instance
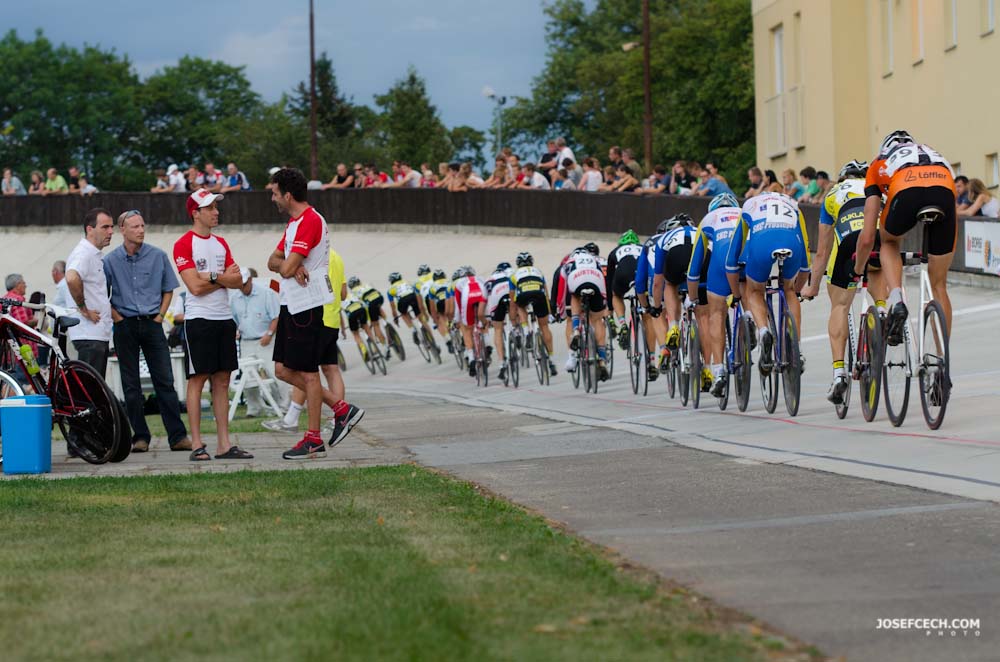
[236, 181]
[11, 184]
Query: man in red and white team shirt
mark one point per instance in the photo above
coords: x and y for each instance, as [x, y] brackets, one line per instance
[302, 343]
[207, 268]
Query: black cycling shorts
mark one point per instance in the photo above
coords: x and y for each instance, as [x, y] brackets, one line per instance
[500, 312]
[676, 264]
[596, 300]
[901, 216]
[440, 304]
[624, 277]
[408, 303]
[375, 309]
[357, 319]
[537, 300]
[839, 272]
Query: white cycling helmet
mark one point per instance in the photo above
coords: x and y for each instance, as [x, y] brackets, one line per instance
[854, 168]
[895, 138]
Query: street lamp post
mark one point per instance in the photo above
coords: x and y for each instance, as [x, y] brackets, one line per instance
[647, 91]
[313, 144]
[500, 101]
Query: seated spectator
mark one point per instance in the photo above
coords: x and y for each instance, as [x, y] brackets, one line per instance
[807, 177]
[85, 187]
[549, 161]
[194, 178]
[499, 176]
[627, 183]
[983, 202]
[591, 180]
[962, 193]
[11, 184]
[513, 160]
[534, 179]
[574, 171]
[359, 175]
[342, 179]
[212, 179]
[681, 181]
[405, 176]
[459, 181]
[825, 186]
[567, 180]
[772, 185]
[711, 185]
[614, 156]
[610, 178]
[394, 174]
[757, 185]
[55, 184]
[628, 158]
[236, 181]
[37, 183]
[74, 179]
[178, 184]
[427, 178]
[162, 182]
[516, 176]
[715, 173]
[564, 151]
[792, 187]
[472, 180]
[658, 182]
[557, 179]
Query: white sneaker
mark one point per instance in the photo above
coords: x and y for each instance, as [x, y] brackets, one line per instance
[279, 425]
[571, 364]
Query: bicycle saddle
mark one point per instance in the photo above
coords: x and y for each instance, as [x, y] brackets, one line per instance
[65, 321]
[588, 291]
[781, 253]
[930, 214]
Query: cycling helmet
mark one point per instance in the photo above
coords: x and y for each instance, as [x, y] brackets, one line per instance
[893, 139]
[524, 259]
[423, 269]
[438, 274]
[503, 266]
[353, 282]
[677, 221]
[394, 276]
[662, 227]
[457, 274]
[723, 200]
[628, 237]
[468, 271]
[854, 169]
[592, 248]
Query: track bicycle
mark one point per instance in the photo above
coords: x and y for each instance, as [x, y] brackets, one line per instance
[513, 353]
[426, 345]
[534, 347]
[787, 360]
[637, 352]
[586, 349]
[480, 355]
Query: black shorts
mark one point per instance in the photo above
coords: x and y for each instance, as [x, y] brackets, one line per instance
[537, 300]
[624, 277]
[500, 312]
[596, 300]
[440, 304]
[901, 216]
[302, 342]
[375, 309]
[357, 319]
[408, 303]
[677, 260]
[210, 346]
[839, 272]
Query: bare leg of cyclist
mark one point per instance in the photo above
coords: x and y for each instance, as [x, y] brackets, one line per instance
[715, 325]
[754, 300]
[937, 270]
[792, 286]
[543, 326]
[672, 308]
[498, 340]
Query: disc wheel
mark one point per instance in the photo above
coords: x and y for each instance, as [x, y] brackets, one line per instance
[869, 364]
[842, 408]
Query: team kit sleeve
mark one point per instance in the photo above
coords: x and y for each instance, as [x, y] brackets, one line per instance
[805, 241]
[875, 181]
[736, 245]
[642, 271]
[183, 253]
[308, 234]
[697, 255]
[229, 254]
[826, 211]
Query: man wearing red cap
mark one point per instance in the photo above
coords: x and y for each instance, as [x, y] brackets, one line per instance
[207, 268]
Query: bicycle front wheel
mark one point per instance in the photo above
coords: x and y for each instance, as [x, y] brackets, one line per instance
[368, 354]
[395, 341]
[896, 374]
[791, 378]
[423, 346]
[86, 412]
[935, 366]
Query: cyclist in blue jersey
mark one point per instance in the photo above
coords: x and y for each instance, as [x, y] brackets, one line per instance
[769, 222]
[653, 323]
[708, 267]
[673, 255]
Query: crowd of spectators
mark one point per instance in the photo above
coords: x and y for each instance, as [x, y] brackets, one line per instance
[51, 183]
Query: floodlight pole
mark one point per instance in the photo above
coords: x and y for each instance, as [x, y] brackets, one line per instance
[313, 146]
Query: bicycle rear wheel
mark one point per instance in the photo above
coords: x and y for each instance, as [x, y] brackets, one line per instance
[458, 344]
[124, 429]
[423, 346]
[682, 370]
[432, 347]
[638, 372]
[593, 360]
[513, 361]
[586, 360]
[86, 412]
[935, 366]
[379, 357]
[896, 373]
[395, 341]
[723, 399]
[743, 363]
[542, 360]
[869, 363]
[609, 346]
[791, 378]
[694, 370]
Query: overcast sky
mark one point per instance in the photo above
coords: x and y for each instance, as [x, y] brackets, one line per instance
[458, 46]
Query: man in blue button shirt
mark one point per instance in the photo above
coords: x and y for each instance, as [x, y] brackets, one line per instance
[712, 186]
[255, 309]
[142, 283]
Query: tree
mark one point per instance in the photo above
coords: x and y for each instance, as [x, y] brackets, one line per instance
[413, 131]
[467, 145]
[268, 136]
[334, 113]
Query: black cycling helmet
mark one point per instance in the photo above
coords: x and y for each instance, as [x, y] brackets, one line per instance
[503, 266]
[592, 248]
[395, 276]
[423, 269]
[524, 259]
[353, 282]
[438, 274]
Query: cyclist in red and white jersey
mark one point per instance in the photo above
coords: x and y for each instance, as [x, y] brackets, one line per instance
[469, 293]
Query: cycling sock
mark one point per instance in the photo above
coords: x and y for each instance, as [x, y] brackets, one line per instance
[340, 409]
[880, 304]
[895, 297]
[468, 354]
[602, 353]
[292, 415]
[761, 331]
[838, 369]
[576, 324]
[717, 370]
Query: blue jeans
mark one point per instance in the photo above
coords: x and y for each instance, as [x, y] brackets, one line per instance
[132, 335]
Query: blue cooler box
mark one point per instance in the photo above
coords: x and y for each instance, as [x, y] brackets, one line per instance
[26, 421]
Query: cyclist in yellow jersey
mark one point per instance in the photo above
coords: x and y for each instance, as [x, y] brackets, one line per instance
[357, 319]
[529, 289]
[439, 291]
[841, 220]
[374, 300]
[403, 299]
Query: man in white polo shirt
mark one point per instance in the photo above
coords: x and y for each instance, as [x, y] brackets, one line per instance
[207, 268]
[88, 289]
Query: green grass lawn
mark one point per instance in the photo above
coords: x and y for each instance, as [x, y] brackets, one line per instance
[382, 563]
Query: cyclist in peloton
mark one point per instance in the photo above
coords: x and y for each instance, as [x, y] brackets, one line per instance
[439, 292]
[529, 289]
[841, 220]
[469, 293]
[374, 300]
[422, 284]
[583, 271]
[708, 267]
[653, 323]
[357, 319]
[913, 176]
[402, 292]
[496, 307]
[620, 278]
[769, 222]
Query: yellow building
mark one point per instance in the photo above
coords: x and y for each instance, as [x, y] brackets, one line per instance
[832, 77]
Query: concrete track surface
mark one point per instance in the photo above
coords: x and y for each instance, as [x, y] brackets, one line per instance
[817, 525]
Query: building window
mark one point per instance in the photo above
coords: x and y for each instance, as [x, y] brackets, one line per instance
[956, 168]
[917, 27]
[950, 24]
[989, 16]
[886, 12]
[992, 171]
[778, 48]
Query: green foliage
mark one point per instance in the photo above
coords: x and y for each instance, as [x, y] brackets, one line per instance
[413, 131]
[590, 91]
[468, 145]
[334, 113]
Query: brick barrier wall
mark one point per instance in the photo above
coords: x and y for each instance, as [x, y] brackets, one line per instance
[571, 211]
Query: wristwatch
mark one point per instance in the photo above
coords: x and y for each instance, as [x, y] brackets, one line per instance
[269, 333]
[212, 277]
